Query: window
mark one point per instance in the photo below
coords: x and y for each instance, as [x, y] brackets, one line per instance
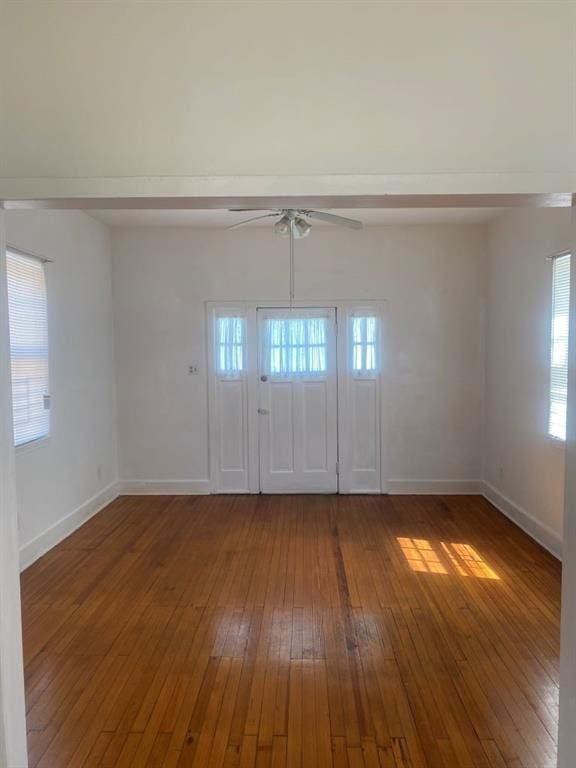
[28, 347]
[295, 346]
[230, 336]
[364, 333]
[559, 346]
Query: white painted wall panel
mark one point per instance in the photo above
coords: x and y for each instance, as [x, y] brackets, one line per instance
[431, 277]
[522, 464]
[71, 471]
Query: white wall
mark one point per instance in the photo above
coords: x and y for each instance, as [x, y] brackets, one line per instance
[64, 478]
[523, 466]
[431, 276]
[191, 90]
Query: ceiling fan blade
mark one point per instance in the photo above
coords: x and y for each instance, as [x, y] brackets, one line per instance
[254, 210]
[332, 218]
[254, 218]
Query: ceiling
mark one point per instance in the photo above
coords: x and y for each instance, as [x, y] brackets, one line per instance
[222, 218]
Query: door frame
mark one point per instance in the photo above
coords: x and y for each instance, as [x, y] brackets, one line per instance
[248, 309]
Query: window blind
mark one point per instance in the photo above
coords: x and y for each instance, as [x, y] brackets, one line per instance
[559, 346]
[27, 313]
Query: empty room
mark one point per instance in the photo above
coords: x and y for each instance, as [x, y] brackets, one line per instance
[287, 458]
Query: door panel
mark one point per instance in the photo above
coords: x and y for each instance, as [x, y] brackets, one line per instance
[315, 425]
[298, 401]
[360, 400]
[232, 425]
[365, 421]
[281, 426]
[228, 400]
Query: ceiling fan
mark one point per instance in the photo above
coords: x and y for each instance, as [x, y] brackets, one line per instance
[292, 223]
[294, 220]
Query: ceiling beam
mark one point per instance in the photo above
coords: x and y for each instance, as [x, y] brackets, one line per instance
[500, 200]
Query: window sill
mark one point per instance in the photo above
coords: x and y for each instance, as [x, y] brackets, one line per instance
[33, 445]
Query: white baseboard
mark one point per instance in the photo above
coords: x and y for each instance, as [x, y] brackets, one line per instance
[432, 487]
[34, 549]
[163, 487]
[540, 532]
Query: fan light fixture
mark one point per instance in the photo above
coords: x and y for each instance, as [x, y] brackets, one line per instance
[282, 226]
[295, 220]
[301, 227]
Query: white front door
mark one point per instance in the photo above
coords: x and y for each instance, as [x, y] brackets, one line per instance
[298, 401]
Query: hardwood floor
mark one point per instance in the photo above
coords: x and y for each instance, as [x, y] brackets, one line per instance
[293, 631]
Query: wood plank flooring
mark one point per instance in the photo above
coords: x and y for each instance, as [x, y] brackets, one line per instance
[293, 631]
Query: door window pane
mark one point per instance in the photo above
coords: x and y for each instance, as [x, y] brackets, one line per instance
[230, 339]
[364, 334]
[295, 346]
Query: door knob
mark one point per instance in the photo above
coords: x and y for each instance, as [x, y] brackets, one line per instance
[263, 411]
[263, 378]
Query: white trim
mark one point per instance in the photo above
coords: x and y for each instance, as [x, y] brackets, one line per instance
[565, 252]
[567, 711]
[361, 492]
[60, 530]
[252, 399]
[13, 752]
[164, 487]
[32, 445]
[433, 487]
[28, 254]
[312, 190]
[540, 532]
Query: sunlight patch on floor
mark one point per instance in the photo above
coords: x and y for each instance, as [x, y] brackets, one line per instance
[423, 556]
